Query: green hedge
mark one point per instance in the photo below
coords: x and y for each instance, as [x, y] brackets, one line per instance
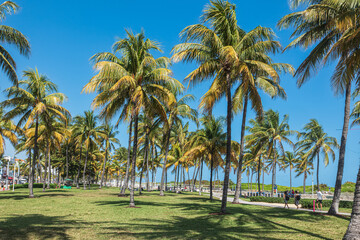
[270, 199]
[36, 185]
[308, 203]
[305, 203]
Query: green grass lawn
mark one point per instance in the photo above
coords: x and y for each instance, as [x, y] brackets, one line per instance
[100, 214]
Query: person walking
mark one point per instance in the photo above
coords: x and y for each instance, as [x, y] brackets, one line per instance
[286, 199]
[319, 199]
[297, 198]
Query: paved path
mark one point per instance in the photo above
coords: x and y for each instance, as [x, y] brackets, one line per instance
[230, 199]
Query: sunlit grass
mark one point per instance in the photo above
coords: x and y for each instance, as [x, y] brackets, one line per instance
[100, 214]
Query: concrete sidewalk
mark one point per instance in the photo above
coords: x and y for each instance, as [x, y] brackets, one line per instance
[263, 204]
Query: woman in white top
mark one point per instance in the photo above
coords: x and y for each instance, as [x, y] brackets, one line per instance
[319, 200]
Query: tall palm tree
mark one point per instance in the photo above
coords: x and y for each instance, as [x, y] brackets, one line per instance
[8, 131]
[109, 139]
[333, 27]
[289, 160]
[316, 141]
[11, 36]
[131, 83]
[176, 111]
[303, 166]
[271, 132]
[218, 52]
[89, 134]
[35, 98]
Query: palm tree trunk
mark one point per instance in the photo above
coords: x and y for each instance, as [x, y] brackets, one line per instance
[141, 176]
[133, 165]
[228, 145]
[259, 174]
[178, 177]
[334, 209]
[353, 231]
[45, 174]
[84, 173]
[148, 149]
[304, 185]
[194, 179]
[104, 165]
[263, 179]
[239, 170]
[165, 161]
[67, 162]
[317, 172]
[273, 180]
[49, 165]
[78, 174]
[36, 149]
[251, 188]
[201, 171]
[211, 176]
[290, 179]
[128, 163]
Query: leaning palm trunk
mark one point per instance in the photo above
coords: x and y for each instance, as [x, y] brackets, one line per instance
[148, 149]
[104, 166]
[211, 177]
[67, 161]
[228, 145]
[201, 170]
[49, 166]
[273, 180]
[290, 178]
[84, 173]
[317, 172]
[353, 231]
[259, 174]
[45, 175]
[141, 176]
[126, 180]
[239, 170]
[334, 209]
[133, 164]
[163, 176]
[36, 149]
[304, 186]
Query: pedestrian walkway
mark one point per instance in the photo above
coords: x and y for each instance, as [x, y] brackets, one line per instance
[230, 199]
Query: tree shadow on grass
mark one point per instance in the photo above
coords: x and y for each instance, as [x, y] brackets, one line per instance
[35, 226]
[24, 196]
[244, 222]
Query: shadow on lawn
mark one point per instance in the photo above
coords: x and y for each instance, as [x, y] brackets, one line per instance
[39, 195]
[35, 226]
[250, 222]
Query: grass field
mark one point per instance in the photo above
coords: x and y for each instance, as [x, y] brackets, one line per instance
[100, 214]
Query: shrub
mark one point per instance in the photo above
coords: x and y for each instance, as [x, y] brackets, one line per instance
[305, 203]
[270, 199]
[36, 185]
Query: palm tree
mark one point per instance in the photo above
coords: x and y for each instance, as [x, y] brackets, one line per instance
[303, 166]
[88, 135]
[108, 136]
[209, 143]
[11, 36]
[334, 29]
[315, 141]
[219, 53]
[131, 83]
[7, 131]
[177, 110]
[289, 160]
[35, 98]
[271, 132]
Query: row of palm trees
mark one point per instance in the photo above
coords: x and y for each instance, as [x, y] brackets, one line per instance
[132, 84]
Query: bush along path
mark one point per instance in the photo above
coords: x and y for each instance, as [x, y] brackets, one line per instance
[275, 205]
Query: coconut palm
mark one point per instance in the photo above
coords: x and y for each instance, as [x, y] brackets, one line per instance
[333, 27]
[316, 141]
[34, 99]
[353, 231]
[176, 111]
[209, 143]
[289, 160]
[11, 36]
[131, 83]
[303, 166]
[270, 133]
[217, 50]
[109, 139]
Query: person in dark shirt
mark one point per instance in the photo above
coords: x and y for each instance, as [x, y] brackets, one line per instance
[286, 198]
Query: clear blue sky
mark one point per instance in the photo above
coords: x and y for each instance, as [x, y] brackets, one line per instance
[65, 34]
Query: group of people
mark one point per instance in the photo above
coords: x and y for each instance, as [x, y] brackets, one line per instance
[293, 194]
[297, 196]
